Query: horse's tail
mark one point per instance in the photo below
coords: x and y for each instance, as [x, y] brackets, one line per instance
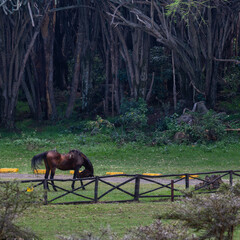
[37, 159]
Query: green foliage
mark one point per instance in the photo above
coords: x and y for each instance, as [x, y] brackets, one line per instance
[231, 105]
[100, 125]
[204, 128]
[207, 127]
[232, 81]
[214, 216]
[31, 141]
[13, 202]
[133, 114]
[124, 137]
[186, 9]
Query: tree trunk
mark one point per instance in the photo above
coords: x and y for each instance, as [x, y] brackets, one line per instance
[48, 34]
[189, 34]
[77, 67]
[16, 45]
[174, 84]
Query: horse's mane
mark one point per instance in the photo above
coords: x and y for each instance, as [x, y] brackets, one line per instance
[86, 162]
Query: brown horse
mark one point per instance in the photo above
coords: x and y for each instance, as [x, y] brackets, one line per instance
[73, 160]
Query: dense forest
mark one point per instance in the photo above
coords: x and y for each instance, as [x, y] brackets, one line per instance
[87, 57]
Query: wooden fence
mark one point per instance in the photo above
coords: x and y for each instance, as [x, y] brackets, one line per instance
[129, 187]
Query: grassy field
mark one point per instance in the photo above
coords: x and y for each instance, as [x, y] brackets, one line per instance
[17, 149]
[107, 155]
[48, 222]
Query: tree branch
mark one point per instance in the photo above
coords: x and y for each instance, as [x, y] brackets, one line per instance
[227, 60]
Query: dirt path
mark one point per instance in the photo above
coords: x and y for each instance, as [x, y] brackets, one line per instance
[19, 176]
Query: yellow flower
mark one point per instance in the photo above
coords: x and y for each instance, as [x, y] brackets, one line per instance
[29, 189]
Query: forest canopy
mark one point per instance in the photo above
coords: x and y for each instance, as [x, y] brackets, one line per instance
[87, 57]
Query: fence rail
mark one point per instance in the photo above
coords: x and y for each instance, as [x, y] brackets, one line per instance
[130, 187]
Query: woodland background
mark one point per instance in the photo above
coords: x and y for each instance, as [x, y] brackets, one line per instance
[83, 58]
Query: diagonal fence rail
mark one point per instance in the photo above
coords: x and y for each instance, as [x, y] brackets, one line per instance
[123, 187]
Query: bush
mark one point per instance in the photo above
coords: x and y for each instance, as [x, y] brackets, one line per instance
[207, 127]
[31, 141]
[133, 114]
[13, 202]
[100, 125]
[214, 216]
[105, 234]
[159, 231]
[203, 128]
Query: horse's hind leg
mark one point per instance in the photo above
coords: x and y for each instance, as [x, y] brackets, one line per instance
[51, 177]
[45, 186]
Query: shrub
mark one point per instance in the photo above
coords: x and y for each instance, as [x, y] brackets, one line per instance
[204, 128]
[214, 216]
[13, 202]
[104, 234]
[167, 128]
[159, 231]
[31, 141]
[99, 125]
[207, 127]
[133, 114]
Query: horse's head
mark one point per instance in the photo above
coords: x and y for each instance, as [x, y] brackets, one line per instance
[85, 173]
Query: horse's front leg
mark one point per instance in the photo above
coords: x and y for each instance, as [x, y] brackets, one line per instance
[82, 184]
[75, 175]
[51, 177]
[81, 181]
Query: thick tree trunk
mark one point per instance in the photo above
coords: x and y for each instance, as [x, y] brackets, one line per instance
[76, 74]
[48, 34]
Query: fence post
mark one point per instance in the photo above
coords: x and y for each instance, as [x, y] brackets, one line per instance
[137, 187]
[45, 194]
[96, 189]
[172, 190]
[187, 181]
[231, 178]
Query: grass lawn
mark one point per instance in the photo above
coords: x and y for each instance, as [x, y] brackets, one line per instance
[17, 151]
[106, 156]
[49, 221]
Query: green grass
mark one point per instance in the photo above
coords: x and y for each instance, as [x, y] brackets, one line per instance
[49, 221]
[106, 193]
[17, 149]
[106, 155]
